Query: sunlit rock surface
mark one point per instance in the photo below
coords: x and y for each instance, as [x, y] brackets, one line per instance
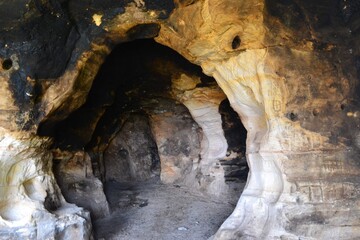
[290, 70]
[288, 93]
[31, 205]
[203, 104]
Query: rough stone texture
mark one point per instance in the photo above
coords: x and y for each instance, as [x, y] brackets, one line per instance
[203, 104]
[290, 69]
[74, 175]
[31, 205]
[119, 143]
[203, 101]
[50, 52]
[68, 222]
[132, 153]
[177, 137]
[289, 156]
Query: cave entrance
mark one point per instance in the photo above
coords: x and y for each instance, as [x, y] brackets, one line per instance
[162, 137]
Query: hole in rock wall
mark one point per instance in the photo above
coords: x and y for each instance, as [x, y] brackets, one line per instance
[236, 169]
[149, 133]
[7, 64]
[236, 42]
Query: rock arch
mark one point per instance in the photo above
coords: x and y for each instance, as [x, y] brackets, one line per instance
[269, 59]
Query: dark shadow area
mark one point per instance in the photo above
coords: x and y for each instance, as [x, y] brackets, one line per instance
[236, 169]
[132, 128]
[134, 71]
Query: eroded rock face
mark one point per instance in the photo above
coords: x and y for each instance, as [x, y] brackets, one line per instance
[290, 70]
[257, 75]
[31, 205]
[132, 154]
[203, 104]
[49, 57]
[73, 173]
[177, 138]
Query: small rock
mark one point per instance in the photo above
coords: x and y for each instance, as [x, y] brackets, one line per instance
[182, 229]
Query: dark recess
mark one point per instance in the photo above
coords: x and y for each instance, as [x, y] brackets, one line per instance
[141, 66]
[287, 11]
[292, 116]
[235, 134]
[349, 9]
[236, 43]
[141, 31]
[357, 65]
[7, 64]
[135, 73]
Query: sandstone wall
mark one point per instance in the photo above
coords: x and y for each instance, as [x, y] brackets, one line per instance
[290, 69]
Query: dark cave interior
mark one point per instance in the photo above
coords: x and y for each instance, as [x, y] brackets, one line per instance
[108, 155]
[129, 106]
[134, 82]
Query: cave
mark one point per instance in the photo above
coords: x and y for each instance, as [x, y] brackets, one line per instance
[151, 120]
[180, 119]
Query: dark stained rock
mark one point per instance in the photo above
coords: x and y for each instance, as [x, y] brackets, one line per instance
[132, 153]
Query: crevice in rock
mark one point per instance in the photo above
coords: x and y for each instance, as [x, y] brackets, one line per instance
[235, 166]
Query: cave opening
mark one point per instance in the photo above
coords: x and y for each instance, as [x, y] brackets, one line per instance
[156, 132]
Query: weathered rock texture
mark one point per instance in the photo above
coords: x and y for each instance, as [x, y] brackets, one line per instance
[178, 140]
[74, 175]
[31, 205]
[290, 69]
[259, 62]
[133, 130]
[132, 154]
[203, 104]
[50, 53]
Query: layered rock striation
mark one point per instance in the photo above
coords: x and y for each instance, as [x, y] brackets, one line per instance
[290, 70]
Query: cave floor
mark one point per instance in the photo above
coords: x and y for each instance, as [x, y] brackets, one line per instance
[152, 210]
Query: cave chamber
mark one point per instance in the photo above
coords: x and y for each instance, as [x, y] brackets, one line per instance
[105, 126]
[150, 118]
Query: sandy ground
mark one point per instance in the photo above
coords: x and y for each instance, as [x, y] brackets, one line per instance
[154, 211]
